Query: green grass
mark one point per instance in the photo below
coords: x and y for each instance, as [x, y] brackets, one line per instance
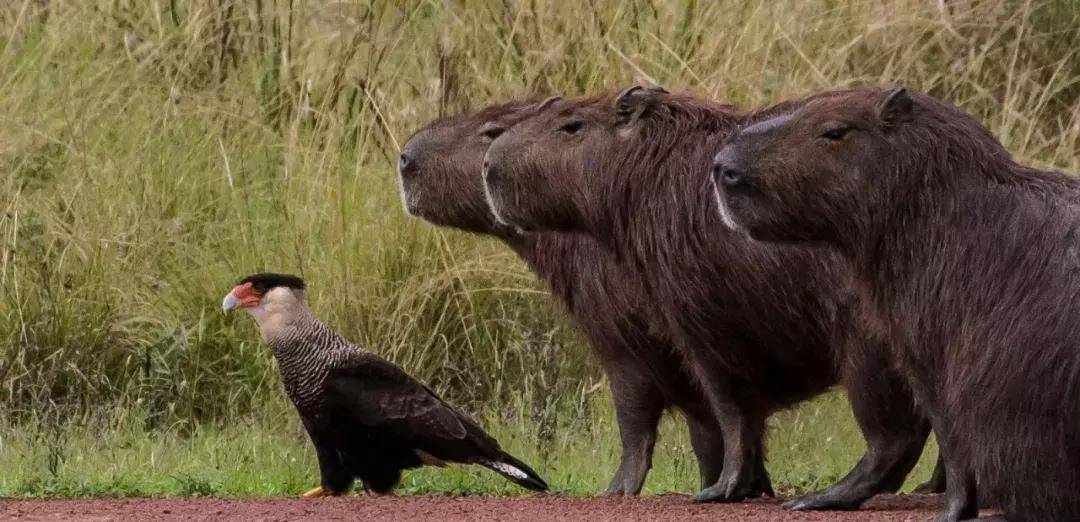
[151, 153]
[115, 455]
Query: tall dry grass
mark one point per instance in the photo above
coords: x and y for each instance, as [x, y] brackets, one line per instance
[154, 151]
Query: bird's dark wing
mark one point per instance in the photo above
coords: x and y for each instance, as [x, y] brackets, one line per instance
[377, 395]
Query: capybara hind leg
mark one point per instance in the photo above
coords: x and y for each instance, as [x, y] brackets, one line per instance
[937, 482]
[638, 408]
[894, 429]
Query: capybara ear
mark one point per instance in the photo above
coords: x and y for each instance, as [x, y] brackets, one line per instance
[632, 102]
[547, 103]
[896, 107]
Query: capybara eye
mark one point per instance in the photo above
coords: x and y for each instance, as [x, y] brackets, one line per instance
[572, 127]
[493, 132]
[836, 134]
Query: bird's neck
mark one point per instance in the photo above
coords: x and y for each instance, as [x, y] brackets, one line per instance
[285, 325]
[305, 349]
[299, 334]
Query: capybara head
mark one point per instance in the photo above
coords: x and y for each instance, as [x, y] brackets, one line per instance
[440, 166]
[544, 173]
[807, 175]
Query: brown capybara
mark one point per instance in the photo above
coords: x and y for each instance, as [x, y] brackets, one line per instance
[968, 262]
[440, 175]
[762, 327]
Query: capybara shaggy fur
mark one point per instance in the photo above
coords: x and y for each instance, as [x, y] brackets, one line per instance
[967, 262]
[761, 327]
[440, 174]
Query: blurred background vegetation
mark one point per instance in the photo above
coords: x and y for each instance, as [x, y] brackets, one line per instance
[154, 151]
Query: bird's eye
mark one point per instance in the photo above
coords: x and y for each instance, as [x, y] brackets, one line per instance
[493, 132]
[836, 134]
[573, 127]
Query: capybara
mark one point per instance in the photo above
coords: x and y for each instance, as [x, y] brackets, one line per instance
[440, 175]
[762, 327]
[967, 262]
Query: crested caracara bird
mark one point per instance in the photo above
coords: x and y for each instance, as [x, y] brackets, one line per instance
[367, 418]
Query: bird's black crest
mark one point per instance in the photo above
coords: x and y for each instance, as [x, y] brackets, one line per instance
[265, 282]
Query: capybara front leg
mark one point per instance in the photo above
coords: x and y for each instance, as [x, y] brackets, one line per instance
[707, 442]
[744, 474]
[638, 407]
[894, 428]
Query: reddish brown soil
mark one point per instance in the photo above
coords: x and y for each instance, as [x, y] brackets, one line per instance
[529, 509]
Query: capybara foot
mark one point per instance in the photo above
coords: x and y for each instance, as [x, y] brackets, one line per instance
[818, 502]
[937, 482]
[731, 492]
[945, 517]
[321, 492]
[763, 486]
[623, 486]
[955, 513]
[934, 485]
[617, 489]
[718, 493]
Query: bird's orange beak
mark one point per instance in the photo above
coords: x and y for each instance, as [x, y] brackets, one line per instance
[241, 296]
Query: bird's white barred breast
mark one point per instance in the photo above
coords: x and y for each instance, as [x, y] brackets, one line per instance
[305, 354]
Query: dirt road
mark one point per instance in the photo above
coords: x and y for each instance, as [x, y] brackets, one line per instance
[530, 509]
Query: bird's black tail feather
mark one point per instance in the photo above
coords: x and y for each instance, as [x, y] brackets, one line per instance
[517, 472]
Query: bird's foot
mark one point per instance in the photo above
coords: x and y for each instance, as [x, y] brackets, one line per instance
[321, 492]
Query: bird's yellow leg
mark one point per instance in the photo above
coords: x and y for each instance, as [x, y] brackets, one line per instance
[320, 492]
